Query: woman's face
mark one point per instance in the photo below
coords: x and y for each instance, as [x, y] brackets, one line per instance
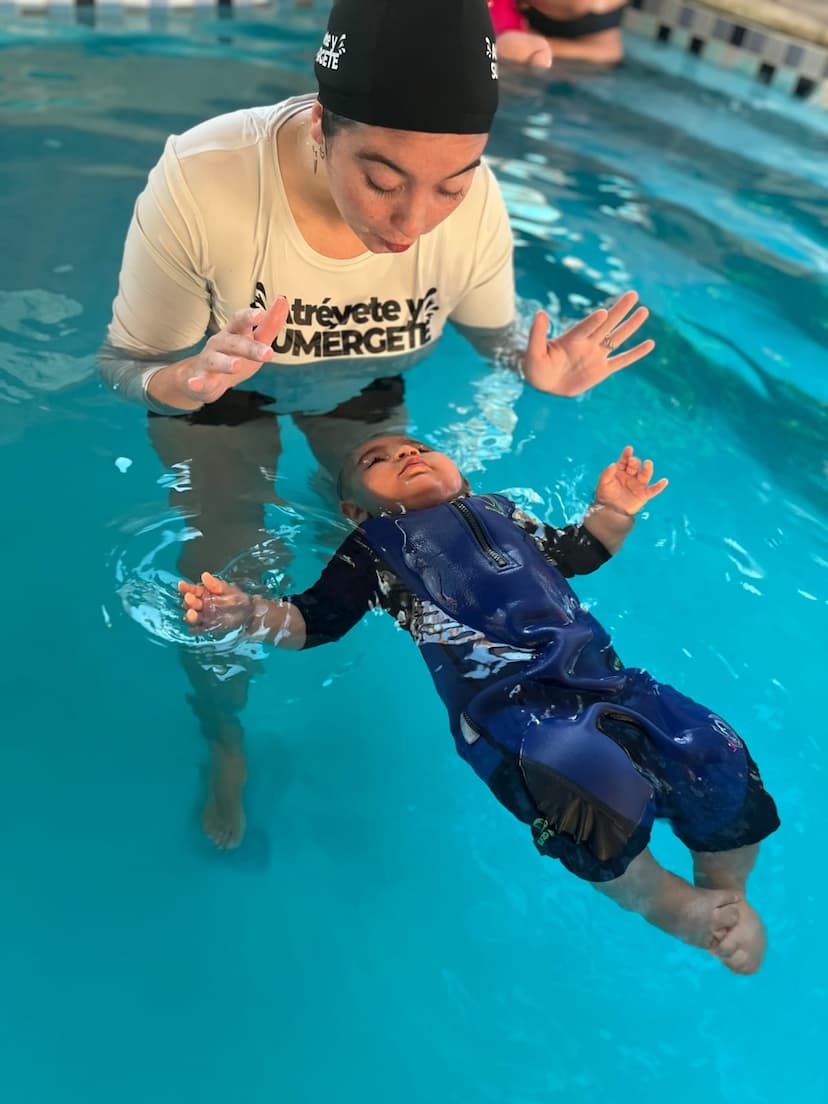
[393, 186]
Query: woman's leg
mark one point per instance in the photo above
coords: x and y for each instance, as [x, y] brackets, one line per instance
[226, 456]
[378, 408]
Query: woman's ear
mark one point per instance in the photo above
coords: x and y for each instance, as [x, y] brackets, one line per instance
[316, 123]
[353, 512]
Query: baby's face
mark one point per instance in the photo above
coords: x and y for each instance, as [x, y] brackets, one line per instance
[394, 474]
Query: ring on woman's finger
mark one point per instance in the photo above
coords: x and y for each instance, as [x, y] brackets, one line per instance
[608, 342]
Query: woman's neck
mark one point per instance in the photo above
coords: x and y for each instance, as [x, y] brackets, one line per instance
[305, 180]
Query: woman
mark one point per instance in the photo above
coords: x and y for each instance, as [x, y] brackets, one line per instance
[367, 209]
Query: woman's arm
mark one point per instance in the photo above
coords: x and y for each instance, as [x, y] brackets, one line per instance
[163, 307]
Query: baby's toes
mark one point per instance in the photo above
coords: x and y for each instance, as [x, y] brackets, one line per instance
[739, 962]
[725, 918]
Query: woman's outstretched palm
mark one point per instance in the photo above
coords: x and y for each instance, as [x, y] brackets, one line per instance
[580, 358]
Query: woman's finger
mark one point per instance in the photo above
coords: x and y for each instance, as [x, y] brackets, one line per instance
[235, 345]
[589, 325]
[537, 335]
[625, 330]
[616, 314]
[623, 360]
[244, 320]
[273, 321]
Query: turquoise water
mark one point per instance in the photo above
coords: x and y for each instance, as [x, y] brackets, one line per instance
[387, 933]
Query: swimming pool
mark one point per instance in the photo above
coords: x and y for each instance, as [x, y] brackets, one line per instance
[387, 933]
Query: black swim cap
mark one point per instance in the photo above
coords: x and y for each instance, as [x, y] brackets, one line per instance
[425, 65]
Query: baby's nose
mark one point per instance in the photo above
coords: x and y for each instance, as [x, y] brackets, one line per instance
[407, 450]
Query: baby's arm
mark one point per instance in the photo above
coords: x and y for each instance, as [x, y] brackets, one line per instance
[340, 597]
[623, 489]
[215, 604]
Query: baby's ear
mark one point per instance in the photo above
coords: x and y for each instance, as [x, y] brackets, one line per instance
[353, 512]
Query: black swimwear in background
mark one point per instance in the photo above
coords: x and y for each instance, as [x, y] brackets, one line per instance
[591, 23]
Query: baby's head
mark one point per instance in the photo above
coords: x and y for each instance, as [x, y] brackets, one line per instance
[392, 474]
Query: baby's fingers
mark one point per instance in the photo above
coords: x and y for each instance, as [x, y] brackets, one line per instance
[190, 588]
[193, 602]
[656, 488]
[624, 457]
[213, 584]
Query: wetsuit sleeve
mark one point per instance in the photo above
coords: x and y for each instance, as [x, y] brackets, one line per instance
[163, 304]
[341, 596]
[489, 299]
[572, 549]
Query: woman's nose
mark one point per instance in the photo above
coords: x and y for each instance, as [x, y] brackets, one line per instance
[410, 219]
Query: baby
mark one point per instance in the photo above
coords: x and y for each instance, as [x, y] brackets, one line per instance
[583, 749]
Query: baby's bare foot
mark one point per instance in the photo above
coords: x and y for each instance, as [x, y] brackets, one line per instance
[743, 947]
[223, 816]
[707, 916]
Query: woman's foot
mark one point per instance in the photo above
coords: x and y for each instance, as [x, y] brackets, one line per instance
[223, 815]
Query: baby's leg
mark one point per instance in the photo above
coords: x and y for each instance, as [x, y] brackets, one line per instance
[743, 947]
[724, 869]
[702, 917]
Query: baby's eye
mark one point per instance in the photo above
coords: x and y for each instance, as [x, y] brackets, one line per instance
[374, 460]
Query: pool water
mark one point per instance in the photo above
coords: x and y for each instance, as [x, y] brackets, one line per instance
[387, 933]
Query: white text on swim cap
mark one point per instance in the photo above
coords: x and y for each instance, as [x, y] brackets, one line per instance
[491, 54]
[331, 50]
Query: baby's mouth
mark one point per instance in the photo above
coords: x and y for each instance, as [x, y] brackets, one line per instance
[414, 463]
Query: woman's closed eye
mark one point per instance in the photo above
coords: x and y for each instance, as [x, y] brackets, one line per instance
[372, 184]
[445, 193]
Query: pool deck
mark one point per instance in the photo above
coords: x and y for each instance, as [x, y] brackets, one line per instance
[803, 19]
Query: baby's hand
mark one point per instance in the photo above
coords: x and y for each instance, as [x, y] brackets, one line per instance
[214, 604]
[625, 485]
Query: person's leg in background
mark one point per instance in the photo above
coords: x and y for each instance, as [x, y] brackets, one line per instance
[227, 454]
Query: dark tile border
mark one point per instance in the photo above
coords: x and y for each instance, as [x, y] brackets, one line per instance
[792, 65]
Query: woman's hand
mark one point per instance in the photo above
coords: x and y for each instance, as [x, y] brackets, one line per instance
[580, 358]
[214, 604]
[235, 353]
[230, 356]
[625, 485]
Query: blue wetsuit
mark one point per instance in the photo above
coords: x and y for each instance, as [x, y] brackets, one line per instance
[585, 750]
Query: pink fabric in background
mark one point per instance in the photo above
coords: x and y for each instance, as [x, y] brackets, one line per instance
[505, 16]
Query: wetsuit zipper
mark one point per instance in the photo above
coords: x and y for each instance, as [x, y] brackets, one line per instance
[480, 535]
